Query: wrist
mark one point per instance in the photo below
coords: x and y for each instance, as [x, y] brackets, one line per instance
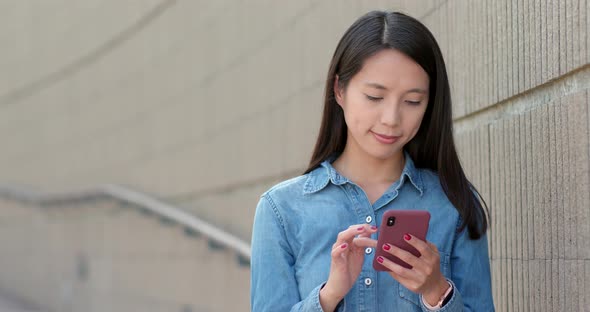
[328, 299]
[433, 295]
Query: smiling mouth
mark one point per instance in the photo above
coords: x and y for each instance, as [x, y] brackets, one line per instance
[385, 139]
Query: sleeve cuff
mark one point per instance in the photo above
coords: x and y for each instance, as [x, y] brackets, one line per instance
[312, 302]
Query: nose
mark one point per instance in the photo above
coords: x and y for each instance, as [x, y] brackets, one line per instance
[390, 116]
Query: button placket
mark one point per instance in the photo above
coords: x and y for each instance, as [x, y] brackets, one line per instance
[368, 219]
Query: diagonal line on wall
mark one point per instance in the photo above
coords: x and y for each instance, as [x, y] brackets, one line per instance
[83, 62]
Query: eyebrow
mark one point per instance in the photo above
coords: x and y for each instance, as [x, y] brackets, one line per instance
[381, 87]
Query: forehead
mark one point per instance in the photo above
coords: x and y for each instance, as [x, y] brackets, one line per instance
[392, 69]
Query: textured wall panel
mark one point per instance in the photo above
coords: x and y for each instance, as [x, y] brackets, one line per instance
[539, 182]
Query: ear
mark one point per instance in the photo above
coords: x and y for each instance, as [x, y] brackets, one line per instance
[337, 91]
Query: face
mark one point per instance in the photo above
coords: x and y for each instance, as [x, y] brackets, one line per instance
[384, 104]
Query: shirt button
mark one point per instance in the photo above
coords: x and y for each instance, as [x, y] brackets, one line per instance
[368, 250]
[368, 281]
[369, 219]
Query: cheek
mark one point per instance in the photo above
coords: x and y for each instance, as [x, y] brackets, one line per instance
[357, 118]
[353, 121]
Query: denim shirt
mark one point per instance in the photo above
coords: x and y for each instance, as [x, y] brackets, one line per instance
[296, 224]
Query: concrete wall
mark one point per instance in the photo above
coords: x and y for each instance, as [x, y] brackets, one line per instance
[207, 104]
[106, 257]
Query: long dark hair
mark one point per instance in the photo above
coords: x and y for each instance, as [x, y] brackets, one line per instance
[433, 146]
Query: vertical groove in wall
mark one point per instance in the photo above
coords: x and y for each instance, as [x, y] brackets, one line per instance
[539, 241]
[562, 36]
[585, 9]
[520, 203]
[532, 269]
[572, 292]
[573, 34]
[521, 46]
[471, 57]
[516, 285]
[548, 44]
[493, 212]
[527, 229]
[514, 42]
[550, 273]
[553, 216]
[554, 42]
[528, 46]
[562, 191]
[545, 39]
[505, 212]
[503, 49]
[497, 204]
[541, 9]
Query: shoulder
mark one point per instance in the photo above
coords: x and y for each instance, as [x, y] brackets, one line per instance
[270, 201]
[285, 191]
[287, 188]
[283, 199]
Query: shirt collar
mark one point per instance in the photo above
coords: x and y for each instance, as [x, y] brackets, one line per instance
[325, 173]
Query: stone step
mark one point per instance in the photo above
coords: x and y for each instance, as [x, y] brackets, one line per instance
[9, 304]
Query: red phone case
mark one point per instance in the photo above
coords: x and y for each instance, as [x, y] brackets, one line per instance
[413, 222]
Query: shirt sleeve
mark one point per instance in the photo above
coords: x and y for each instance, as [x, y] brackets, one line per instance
[273, 286]
[470, 275]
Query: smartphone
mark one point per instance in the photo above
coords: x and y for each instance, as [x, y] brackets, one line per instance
[394, 225]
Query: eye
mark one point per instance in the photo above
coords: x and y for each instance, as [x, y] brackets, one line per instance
[372, 98]
[413, 102]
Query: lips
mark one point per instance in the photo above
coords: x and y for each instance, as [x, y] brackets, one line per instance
[385, 139]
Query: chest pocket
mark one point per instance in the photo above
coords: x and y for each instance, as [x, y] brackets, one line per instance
[445, 268]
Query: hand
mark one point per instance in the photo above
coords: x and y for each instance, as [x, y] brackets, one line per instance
[348, 255]
[424, 277]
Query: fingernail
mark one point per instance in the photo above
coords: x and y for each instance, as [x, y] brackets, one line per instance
[407, 237]
[361, 228]
[386, 246]
[380, 259]
[343, 246]
[373, 227]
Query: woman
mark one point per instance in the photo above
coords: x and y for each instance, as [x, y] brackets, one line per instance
[385, 143]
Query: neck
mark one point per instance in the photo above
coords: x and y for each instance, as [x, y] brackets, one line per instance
[364, 169]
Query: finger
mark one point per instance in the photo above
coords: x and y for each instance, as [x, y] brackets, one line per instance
[408, 283]
[364, 242]
[369, 230]
[347, 235]
[432, 246]
[406, 256]
[399, 272]
[419, 244]
[339, 250]
[402, 280]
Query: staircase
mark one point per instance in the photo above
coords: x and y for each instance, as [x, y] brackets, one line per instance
[115, 249]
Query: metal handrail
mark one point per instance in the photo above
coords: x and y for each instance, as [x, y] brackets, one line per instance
[125, 194]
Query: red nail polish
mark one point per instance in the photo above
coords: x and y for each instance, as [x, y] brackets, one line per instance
[373, 227]
[343, 246]
[380, 259]
[386, 247]
[407, 237]
[361, 228]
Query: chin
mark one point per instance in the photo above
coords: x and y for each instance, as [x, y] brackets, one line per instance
[382, 155]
